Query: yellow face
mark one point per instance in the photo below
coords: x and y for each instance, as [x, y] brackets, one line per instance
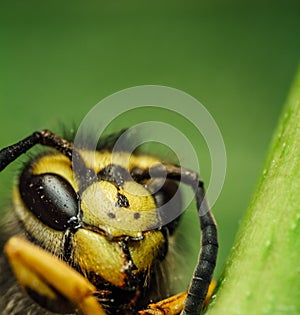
[107, 229]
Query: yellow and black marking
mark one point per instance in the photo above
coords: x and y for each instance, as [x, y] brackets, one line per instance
[97, 212]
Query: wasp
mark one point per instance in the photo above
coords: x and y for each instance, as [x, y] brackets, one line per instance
[92, 241]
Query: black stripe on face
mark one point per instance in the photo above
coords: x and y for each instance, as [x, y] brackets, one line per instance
[122, 201]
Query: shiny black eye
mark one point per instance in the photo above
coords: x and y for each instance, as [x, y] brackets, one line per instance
[50, 198]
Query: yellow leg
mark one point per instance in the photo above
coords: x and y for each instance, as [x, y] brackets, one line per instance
[174, 304]
[210, 291]
[170, 306]
[40, 271]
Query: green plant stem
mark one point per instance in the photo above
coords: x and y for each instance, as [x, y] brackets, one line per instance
[262, 275]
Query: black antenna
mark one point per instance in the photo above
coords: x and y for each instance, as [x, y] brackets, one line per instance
[49, 139]
[209, 244]
[44, 137]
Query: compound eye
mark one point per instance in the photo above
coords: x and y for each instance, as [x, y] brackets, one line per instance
[50, 198]
[168, 200]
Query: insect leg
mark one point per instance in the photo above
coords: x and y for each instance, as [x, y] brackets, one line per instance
[170, 306]
[174, 304]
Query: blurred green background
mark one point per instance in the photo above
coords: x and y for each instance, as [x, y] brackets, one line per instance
[59, 58]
